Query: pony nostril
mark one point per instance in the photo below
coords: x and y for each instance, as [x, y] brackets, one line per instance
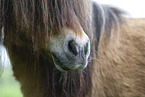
[86, 49]
[73, 48]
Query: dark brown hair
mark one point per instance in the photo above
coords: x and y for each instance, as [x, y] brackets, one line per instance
[41, 19]
[49, 15]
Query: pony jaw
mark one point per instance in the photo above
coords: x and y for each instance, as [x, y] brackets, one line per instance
[65, 59]
[67, 66]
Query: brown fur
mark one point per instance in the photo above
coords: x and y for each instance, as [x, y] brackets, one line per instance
[119, 70]
[27, 33]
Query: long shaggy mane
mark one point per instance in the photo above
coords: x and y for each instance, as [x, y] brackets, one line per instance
[30, 20]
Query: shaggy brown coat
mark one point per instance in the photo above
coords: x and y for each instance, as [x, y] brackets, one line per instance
[119, 70]
[118, 66]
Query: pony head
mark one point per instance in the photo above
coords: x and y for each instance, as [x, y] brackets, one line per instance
[58, 28]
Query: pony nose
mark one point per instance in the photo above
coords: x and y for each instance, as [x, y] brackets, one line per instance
[70, 51]
[77, 49]
[73, 47]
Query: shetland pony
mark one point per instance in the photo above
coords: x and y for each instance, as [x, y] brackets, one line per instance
[73, 48]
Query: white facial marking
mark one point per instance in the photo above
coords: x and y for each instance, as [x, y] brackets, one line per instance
[58, 46]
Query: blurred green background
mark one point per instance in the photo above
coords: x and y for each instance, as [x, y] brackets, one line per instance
[9, 87]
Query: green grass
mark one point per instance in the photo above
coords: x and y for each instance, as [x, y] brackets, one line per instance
[9, 87]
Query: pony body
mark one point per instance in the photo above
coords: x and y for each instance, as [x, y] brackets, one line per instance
[119, 69]
[116, 61]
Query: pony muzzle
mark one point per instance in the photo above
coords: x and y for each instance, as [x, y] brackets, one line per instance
[70, 51]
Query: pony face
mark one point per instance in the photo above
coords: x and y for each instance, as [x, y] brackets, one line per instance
[70, 51]
[61, 29]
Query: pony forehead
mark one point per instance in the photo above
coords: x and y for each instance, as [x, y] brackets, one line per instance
[49, 14]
